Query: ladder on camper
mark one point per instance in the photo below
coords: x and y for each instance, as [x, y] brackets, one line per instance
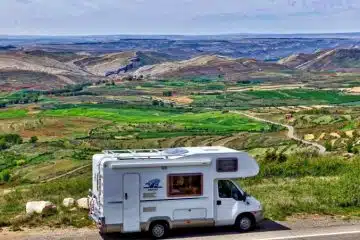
[135, 154]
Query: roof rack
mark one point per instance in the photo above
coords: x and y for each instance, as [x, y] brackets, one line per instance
[132, 154]
[133, 151]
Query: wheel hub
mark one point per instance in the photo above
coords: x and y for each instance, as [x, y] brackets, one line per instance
[245, 223]
[158, 230]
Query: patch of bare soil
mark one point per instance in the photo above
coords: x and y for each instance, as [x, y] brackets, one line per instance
[181, 99]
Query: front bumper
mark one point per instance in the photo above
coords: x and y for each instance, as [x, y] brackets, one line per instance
[259, 216]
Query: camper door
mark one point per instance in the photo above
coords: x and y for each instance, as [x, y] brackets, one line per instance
[131, 211]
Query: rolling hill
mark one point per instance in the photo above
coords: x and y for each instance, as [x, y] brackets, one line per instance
[341, 60]
[43, 70]
[207, 65]
[39, 69]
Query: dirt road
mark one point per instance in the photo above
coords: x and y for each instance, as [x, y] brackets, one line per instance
[291, 131]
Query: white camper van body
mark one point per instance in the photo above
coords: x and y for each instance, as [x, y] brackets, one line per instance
[132, 189]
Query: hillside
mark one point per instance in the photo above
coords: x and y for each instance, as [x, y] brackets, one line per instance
[208, 65]
[38, 69]
[346, 60]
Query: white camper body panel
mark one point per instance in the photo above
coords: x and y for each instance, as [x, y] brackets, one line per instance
[131, 190]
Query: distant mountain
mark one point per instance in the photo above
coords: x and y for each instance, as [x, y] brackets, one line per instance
[261, 47]
[39, 69]
[7, 47]
[207, 65]
[347, 60]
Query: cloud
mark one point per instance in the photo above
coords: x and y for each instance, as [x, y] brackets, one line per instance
[175, 16]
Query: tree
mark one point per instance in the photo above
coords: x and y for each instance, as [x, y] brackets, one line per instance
[33, 139]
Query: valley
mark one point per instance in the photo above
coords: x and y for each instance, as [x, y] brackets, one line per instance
[297, 113]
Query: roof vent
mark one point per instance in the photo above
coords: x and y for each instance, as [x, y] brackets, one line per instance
[176, 151]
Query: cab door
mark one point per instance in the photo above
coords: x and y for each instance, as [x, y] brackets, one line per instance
[228, 202]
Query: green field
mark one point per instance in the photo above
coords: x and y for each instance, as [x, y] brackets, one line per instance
[267, 98]
[12, 113]
[208, 121]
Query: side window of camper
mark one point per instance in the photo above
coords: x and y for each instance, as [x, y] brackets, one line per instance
[185, 185]
[227, 165]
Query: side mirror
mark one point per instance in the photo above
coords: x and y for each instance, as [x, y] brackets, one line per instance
[243, 198]
[238, 196]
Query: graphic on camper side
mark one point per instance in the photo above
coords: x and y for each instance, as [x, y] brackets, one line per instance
[153, 185]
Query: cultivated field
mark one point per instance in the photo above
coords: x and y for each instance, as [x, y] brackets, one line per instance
[47, 140]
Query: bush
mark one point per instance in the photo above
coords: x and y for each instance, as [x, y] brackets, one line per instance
[328, 146]
[281, 158]
[5, 176]
[82, 155]
[33, 139]
[20, 162]
[3, 144]
[356, 151]
[270, 157]
[347, 193]
[167, 93]
[11, 138]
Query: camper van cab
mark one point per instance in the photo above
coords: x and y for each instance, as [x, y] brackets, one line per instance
[158, 190]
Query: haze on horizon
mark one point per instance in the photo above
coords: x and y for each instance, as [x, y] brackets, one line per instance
[103, 17]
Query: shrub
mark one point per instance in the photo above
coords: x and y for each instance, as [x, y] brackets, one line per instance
[33, 139]
[82, 155]
[11, 138]
[355, 150]
[328, 146]
[281, 158]
[5, 175]
[349, 147]
[3, 144]
[167, 93]
[270, 157]
[20, 162]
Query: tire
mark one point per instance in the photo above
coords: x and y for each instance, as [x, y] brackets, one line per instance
[245, 223]
[159, 230]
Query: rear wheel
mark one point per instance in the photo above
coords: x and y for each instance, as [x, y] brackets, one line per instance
[245, 223]
[159, 230]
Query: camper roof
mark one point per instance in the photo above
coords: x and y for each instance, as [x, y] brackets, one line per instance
[170, 153]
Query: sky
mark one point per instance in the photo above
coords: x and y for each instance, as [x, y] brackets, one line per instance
[103, 17]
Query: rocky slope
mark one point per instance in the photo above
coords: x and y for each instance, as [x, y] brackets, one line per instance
[342, 60]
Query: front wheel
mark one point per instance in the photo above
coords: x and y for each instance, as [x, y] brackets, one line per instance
[244, 223]
[159, 230]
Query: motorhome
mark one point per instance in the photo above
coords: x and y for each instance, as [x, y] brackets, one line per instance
[156, 190]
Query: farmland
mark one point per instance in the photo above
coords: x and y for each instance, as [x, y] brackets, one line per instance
[43, 140]
[268, 98]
